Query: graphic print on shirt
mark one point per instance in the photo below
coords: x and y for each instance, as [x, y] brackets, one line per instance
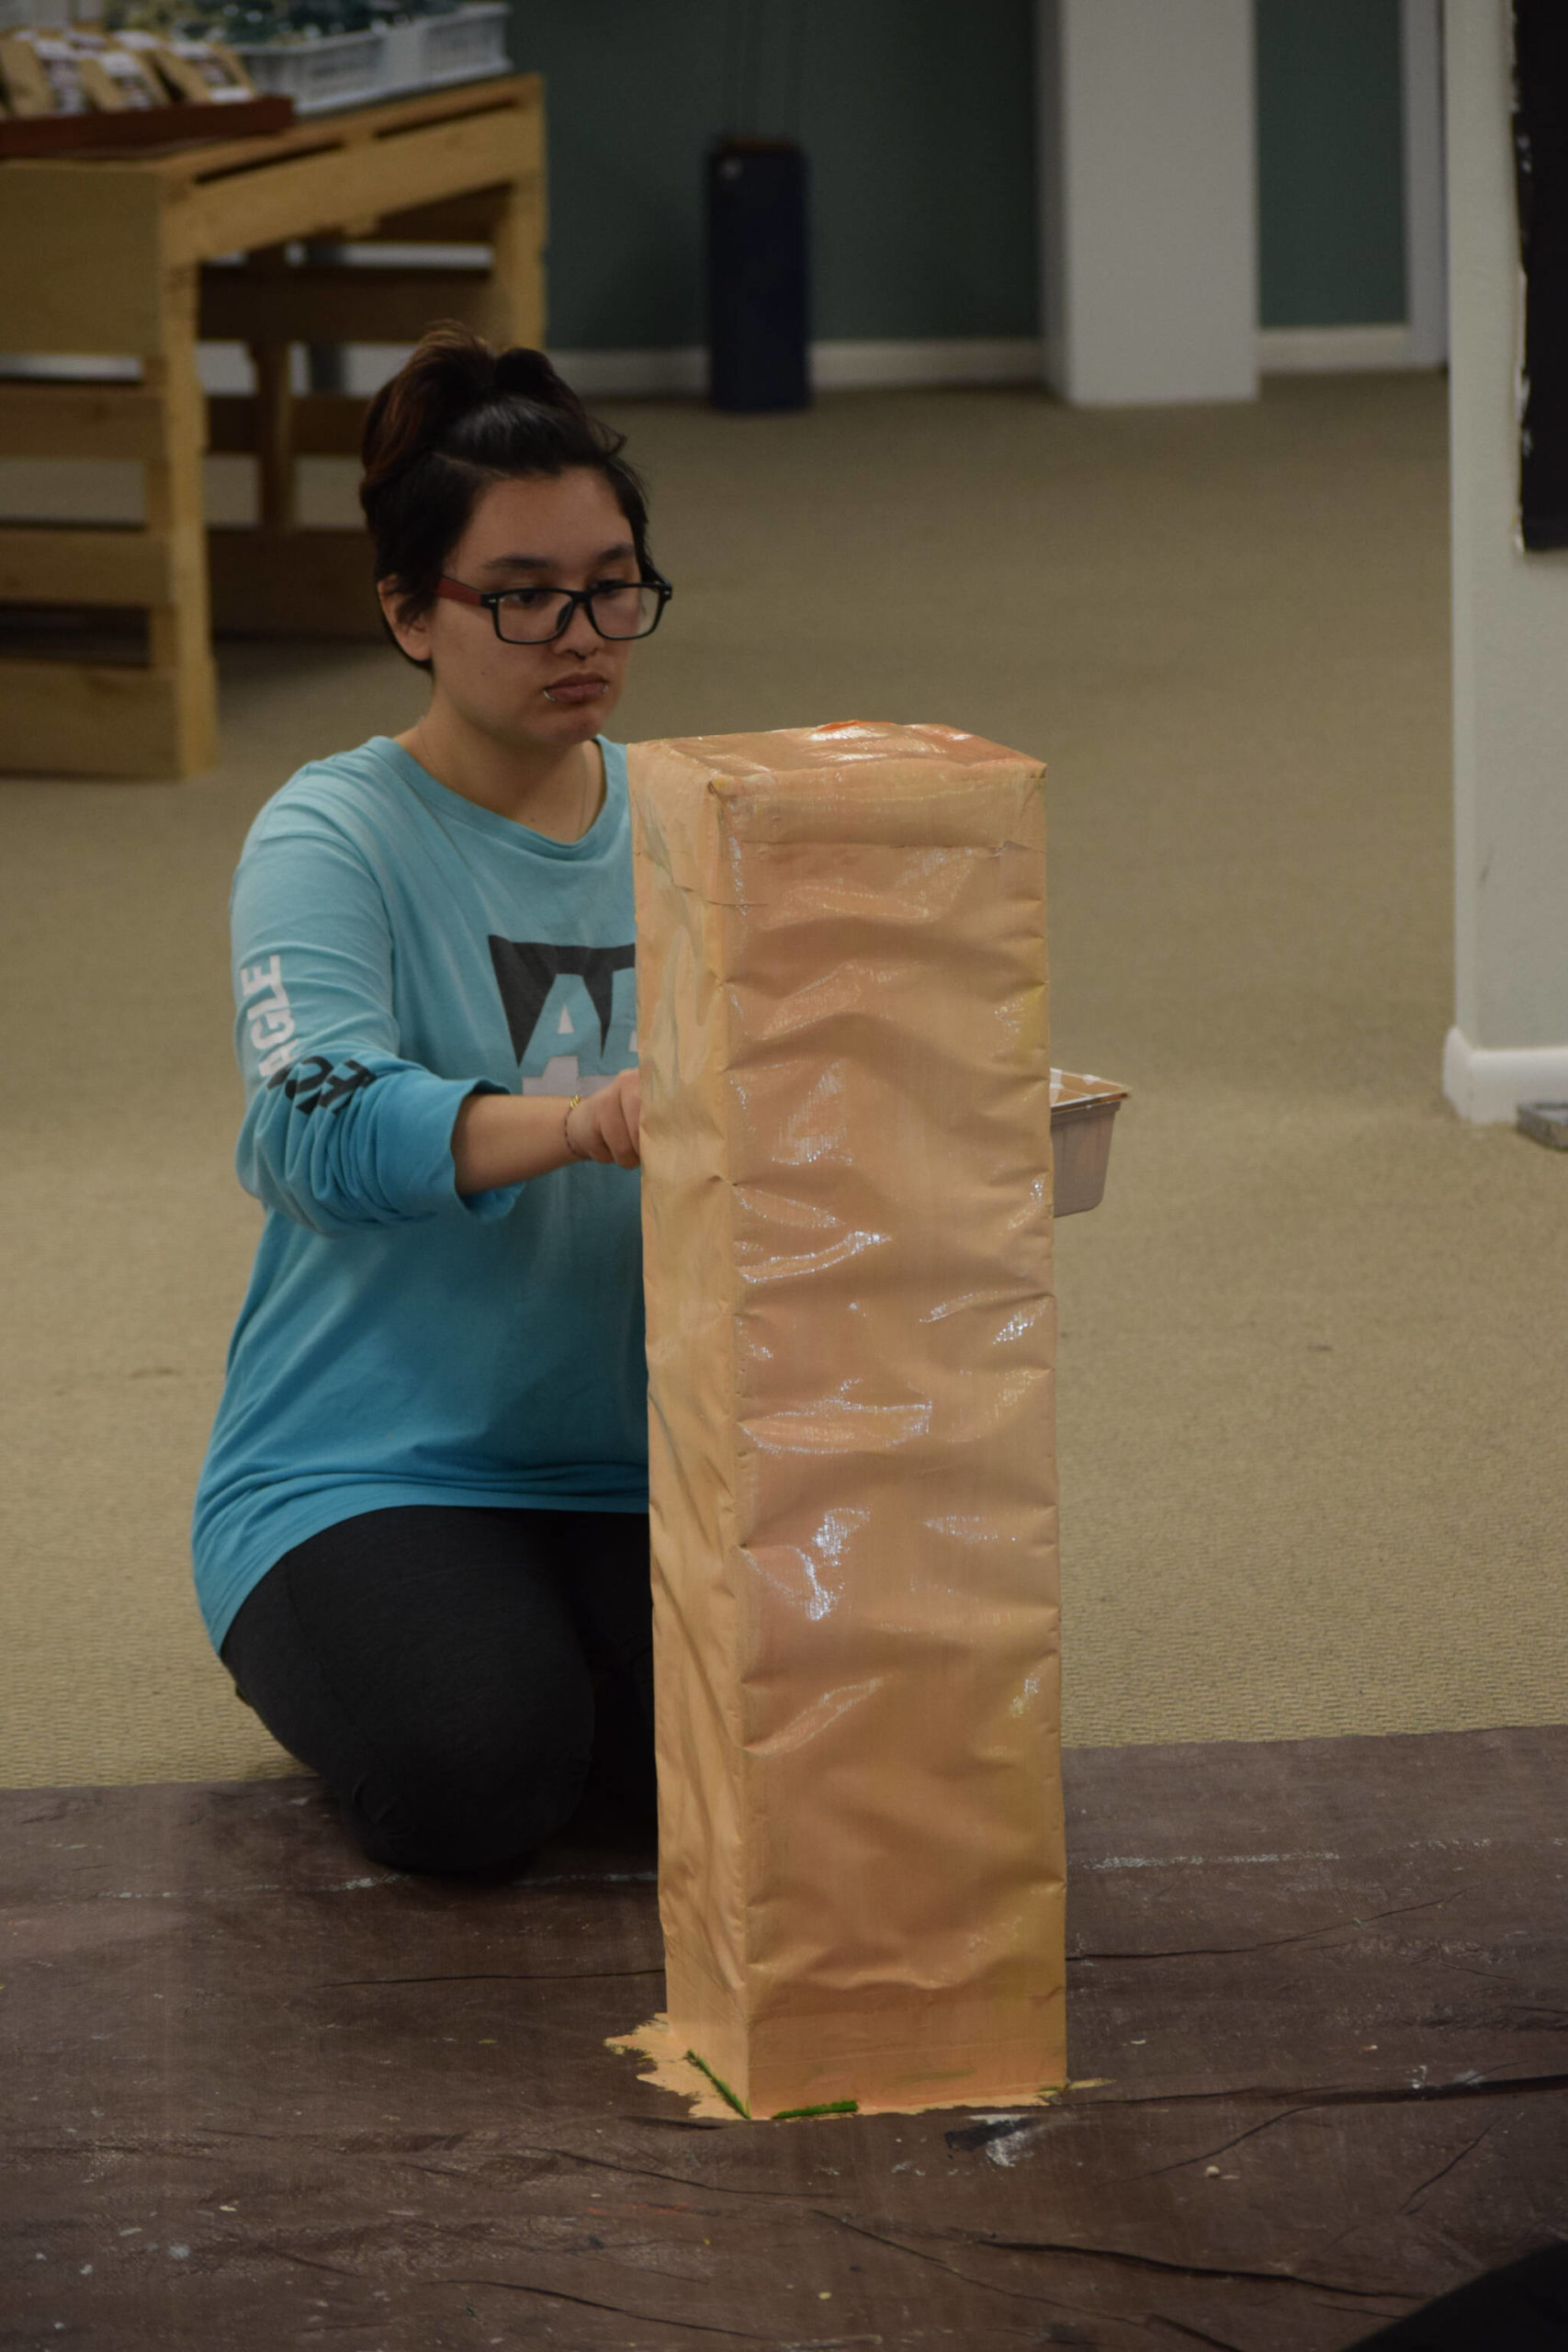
[316, 1084]
[570, 1011]
[270, 1015]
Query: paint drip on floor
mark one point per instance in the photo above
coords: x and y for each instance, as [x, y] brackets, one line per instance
[675, 2068]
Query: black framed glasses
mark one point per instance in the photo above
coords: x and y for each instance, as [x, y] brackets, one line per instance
[618, 608]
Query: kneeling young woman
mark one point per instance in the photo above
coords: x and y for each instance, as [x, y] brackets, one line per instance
[421, 1534]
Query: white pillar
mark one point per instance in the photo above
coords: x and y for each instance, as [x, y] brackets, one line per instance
[1148, 147]
[1509, 1042]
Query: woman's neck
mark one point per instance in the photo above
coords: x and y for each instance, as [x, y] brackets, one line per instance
[555, 789]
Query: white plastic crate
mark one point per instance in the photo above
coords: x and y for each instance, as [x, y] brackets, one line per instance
[403, 60]
[334, 70]
[464, 46]
[351, 69]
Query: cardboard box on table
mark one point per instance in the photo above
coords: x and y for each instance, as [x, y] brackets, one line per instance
[841, 1014]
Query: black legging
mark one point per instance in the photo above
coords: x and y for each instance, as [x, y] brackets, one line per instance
[452, 1675]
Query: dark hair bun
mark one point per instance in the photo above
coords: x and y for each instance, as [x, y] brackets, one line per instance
[450, 373]
[529, 374]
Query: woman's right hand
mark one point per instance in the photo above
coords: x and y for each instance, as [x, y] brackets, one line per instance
[605, 1126]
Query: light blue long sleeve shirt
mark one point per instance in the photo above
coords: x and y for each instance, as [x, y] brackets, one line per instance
[396, 949]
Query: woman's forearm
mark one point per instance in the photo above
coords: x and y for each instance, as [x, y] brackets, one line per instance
[500, 1139]
[504, 1138]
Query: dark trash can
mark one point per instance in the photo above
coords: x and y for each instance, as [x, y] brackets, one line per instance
[757, 324]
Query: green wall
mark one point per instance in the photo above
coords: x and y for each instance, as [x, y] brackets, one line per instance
[1330, 193]
[917, 117]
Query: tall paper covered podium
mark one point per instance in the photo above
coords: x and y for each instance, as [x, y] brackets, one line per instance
[841, 1014]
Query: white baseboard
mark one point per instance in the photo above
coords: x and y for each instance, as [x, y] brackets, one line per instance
[878, 362]
[1334, 351]
[890, 364]
[1486, 1084]
[835, 367]
[978, 359]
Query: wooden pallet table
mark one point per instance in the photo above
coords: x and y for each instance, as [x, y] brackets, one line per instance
[141, 256]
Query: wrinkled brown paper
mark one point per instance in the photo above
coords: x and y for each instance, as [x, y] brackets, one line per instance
[842, 1022]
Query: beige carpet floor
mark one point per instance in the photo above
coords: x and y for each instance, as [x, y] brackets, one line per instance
[1313, 1366]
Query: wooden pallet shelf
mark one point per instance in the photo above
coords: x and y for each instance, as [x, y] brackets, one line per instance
[96, 718]
[132, 255]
